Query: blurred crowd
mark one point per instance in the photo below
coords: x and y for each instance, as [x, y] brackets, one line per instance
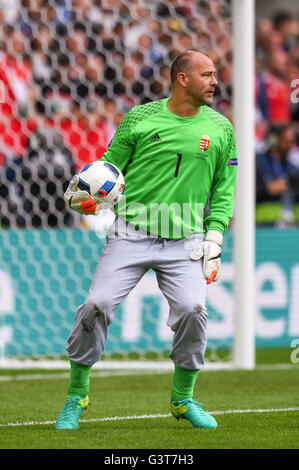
[71, 69]
[277, 113]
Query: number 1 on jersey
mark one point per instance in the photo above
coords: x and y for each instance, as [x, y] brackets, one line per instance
[179, 155]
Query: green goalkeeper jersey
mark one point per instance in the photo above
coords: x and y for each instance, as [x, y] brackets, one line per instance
[173, 166]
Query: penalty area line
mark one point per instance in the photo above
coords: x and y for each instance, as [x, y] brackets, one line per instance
[153, 416]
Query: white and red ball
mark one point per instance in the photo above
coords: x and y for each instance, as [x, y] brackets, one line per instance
[102, 180]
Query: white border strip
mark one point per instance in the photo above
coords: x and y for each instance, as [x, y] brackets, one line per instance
[66, 375]
[155, 366]
[117, 373]
[154, 416]
[102, 365]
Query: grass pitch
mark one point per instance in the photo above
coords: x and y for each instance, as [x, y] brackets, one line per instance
[255, 410]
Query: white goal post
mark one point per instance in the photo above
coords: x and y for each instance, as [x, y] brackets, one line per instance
[244, 220]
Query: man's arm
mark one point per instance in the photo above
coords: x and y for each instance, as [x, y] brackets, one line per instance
[118, 152]
[122, 146]
[220, 209]
[223, 186]
[274, 185]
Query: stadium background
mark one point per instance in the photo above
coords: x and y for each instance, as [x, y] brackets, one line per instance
[69, 71]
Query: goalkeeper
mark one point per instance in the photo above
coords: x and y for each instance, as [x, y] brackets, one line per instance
[177, 152]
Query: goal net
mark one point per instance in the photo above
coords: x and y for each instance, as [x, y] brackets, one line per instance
[69, 71]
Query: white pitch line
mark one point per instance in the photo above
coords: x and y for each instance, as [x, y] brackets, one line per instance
[66, 375]
[154, 416]
[261, 410]
[126, 372]
[164, 365]
[6, 363]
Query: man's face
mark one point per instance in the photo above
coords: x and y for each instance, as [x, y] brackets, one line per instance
[201, 80]
[286, 141]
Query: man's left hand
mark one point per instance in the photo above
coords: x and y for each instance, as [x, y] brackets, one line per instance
[210, 251]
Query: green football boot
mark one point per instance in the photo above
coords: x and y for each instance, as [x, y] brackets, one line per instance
[71, 412]
[192, 411]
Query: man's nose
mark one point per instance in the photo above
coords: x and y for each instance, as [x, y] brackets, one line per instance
[214, 81]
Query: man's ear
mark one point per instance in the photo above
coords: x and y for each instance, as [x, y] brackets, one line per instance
[183, 78]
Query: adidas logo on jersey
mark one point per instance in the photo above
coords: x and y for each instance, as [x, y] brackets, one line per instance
[156, 138]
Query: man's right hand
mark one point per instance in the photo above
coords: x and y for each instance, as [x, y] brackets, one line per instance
[80, 201]
[278, 186]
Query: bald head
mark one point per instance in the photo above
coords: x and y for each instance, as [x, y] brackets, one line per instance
[193, 78]
[186, 61]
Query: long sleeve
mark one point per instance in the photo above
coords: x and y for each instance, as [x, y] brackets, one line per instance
[223, 185]
[122, 146]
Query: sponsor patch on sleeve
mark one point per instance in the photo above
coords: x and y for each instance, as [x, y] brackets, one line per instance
[232, 162]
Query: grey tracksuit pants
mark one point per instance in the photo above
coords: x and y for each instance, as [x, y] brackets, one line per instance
[125, 258]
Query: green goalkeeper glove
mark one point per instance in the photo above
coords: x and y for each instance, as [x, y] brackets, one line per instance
[210, 251]
[80, 201]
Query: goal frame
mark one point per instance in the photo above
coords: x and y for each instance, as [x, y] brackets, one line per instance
[243, 16]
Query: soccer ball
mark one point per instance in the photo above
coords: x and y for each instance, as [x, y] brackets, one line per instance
[102, 180]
